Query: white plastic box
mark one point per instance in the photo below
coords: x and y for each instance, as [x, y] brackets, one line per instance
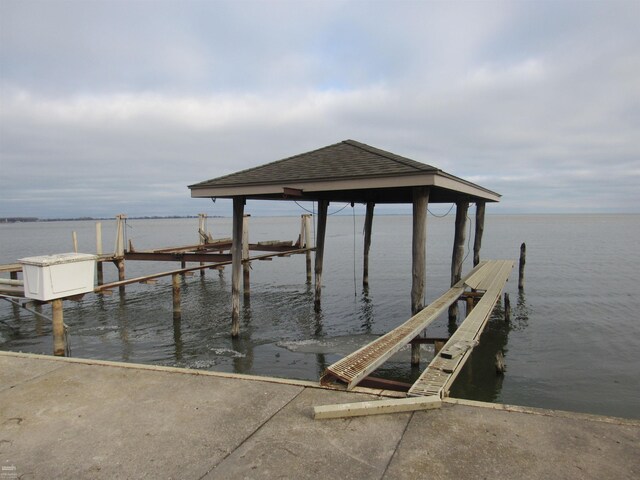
[48, 277]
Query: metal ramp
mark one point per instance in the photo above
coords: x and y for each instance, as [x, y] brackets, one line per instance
[444, 368]
[359, 364]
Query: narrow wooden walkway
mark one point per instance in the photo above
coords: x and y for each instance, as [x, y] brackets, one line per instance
[355, 367]
[444, 368]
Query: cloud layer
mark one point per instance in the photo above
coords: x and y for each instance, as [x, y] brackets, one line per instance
[117, 106]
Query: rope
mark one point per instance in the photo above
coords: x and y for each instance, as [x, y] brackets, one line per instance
[442, 216]
[355, 288]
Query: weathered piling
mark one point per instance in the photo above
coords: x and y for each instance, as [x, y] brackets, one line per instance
[523, 259]
[236, 266]
[121, 276]
[59, 344]
[177, 309]
[419, 247]
[507, 307]
[99, 266]
[477, 241]
[368, 224]
[202, 234]
[457, 256]
[74, 239]
[306, 228]
[246, 266]
[323, 206]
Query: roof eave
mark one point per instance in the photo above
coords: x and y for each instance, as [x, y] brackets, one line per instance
[437, 179]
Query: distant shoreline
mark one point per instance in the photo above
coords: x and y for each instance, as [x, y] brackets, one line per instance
[77, 219]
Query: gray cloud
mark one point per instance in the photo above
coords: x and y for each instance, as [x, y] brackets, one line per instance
[117, 106]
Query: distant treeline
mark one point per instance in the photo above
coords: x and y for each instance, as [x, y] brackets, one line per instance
[36, 219]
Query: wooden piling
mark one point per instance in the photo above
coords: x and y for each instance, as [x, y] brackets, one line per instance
[59, 344]
[470, 304]
[477, 241]
[368, 224]
[202, 234]
[306, 222]
[74, 239]
[457, 256]
[507, 308]
[120, 265]
[246, 266]
[323, 206]
[415, 353]
[419, 248]
[99, 252]
[236, 265]
[523, 258]
[177, 309]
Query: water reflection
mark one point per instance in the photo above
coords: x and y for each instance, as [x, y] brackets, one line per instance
[366, 311]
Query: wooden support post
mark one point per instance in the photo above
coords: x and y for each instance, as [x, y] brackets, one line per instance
[120, 265]
[507, 308]
[246, 266]
[236, 264]
[99, 252]
[202, 234]
[415, 353]
[368, 224]
[470, 304]
[477, 241]
[175, 282]
[74, 239]
[59, 344]
[462, 208]
[120, 227]
[323, 207]
[523, 258]
[419, 248]
[306, 222]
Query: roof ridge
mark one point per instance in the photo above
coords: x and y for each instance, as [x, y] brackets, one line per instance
[407, 162]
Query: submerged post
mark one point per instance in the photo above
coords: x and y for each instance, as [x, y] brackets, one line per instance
[477, 241]
[523, 258]
[246, 266]
[236, 263]
[323, 206]
[368, 224]
[462, 208]
[120, 265]
[175, 283]
[59, 344]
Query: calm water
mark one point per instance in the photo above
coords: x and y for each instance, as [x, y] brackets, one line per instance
[573, 343]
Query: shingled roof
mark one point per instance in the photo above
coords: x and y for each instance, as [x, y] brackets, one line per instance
[345, 171]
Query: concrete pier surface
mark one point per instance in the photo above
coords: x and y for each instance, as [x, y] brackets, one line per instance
[77, 419]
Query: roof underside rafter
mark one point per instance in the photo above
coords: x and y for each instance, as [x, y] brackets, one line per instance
[348, 171]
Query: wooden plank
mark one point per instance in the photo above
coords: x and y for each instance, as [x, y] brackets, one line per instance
[376, 407]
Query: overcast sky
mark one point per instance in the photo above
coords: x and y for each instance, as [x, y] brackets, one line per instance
[115, 106]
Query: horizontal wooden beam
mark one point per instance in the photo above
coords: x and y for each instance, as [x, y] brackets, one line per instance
[376, 407]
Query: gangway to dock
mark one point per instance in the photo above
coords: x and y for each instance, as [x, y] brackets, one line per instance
[447, 364]
[358, 365]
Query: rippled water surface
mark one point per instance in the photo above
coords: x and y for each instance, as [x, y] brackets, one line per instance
[573, 343]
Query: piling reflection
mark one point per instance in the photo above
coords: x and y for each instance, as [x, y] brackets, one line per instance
[366, 311]
[479, 379]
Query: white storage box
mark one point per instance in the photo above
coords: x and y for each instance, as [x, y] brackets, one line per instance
[48, 277]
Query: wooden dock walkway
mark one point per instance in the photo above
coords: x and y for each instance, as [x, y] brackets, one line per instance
[446, 365]
[487, 275]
